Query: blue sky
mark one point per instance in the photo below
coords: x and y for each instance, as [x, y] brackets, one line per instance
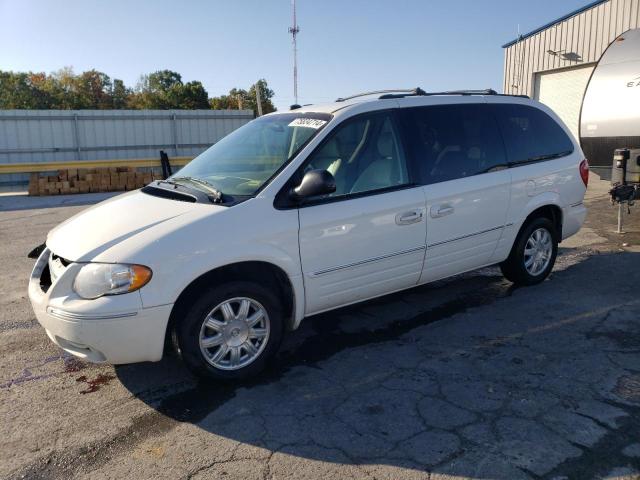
[344, 46]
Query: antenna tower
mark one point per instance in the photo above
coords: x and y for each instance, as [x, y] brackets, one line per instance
[293, 30]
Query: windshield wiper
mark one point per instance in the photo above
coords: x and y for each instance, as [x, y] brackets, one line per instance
[215, 195]
[169, 182]
[548, 156]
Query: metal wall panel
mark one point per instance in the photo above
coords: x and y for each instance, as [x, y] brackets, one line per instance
[61, 135]
[562, 91]
[586, 34]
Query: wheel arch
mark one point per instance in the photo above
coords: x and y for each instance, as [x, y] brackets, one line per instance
[262, 272]
[552, 211]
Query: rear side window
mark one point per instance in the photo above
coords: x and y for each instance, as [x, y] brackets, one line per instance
[447, 142]
[530, 134]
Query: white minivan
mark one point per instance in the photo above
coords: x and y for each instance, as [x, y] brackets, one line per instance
[305, 211]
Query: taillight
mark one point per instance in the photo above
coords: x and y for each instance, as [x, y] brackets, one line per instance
[584, 171]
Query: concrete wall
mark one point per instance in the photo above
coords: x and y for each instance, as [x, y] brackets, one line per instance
[62, 135]
[580, 40]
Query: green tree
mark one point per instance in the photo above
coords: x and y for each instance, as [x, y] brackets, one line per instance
[61, 85]
[266, 94]
[194, 96]
[245, 99]
[223, 102]
[92, 89]
[119, 94]
[26, 91]
[163, 80]
[16, 91]
[163, 89]
[159, 90]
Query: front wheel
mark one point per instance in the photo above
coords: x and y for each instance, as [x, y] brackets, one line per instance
[230, 332]
[533, 254]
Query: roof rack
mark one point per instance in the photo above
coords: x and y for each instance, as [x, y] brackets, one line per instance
[488, 91]
[402, 91]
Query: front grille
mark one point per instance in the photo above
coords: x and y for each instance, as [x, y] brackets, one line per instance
[45, 279]
[56, 267]
[64, 262]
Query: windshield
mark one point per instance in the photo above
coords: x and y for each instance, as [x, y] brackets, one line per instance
[244, 160]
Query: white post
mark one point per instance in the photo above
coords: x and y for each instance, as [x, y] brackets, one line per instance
[258, 99]
[76, 134]
[174, 129]
[620, 213]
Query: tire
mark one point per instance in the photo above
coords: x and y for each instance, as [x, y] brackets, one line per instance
[201, 346]
[517, 267]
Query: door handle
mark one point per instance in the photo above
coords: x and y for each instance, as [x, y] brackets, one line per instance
[408, 218]
[438, 211]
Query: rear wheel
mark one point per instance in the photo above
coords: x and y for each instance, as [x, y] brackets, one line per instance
[231, 331]
[533, 254]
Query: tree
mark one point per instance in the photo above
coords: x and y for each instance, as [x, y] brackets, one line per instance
[163, 89]
[163, 80]
[16, 91]
[92, 89]
[238, 99]
[119, 94]
[266, 94]
[223, 102]
[160, 90]
[194, 96]
[61, 86]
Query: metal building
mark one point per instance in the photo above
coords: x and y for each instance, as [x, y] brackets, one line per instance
[84, 135]
[553, 63]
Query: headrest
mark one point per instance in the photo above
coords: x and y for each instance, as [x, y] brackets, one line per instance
[474, 153]
[385, 145]
[453, 157]
[331, 149]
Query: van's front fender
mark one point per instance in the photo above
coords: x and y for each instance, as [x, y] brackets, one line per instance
[178, 251]
[174, 277]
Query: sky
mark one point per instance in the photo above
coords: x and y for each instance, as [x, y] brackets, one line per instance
[344, 46]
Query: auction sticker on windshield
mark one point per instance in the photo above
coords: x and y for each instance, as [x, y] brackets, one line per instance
[307, 122]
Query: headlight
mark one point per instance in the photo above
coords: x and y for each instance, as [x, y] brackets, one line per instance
[97, 279]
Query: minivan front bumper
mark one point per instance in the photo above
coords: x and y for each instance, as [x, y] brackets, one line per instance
[113, 329]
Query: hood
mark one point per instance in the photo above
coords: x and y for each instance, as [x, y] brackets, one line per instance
[91, 232]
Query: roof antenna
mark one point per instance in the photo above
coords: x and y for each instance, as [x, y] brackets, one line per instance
[293, 30]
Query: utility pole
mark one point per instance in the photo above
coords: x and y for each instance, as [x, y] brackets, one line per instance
[258, 99]
[293, 30]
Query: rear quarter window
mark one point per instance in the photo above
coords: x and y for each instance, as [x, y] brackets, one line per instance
[530, 134]
[448, 142]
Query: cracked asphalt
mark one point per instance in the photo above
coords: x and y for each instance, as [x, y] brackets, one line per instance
[464, 378]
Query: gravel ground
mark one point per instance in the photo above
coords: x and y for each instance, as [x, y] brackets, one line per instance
[464, 378]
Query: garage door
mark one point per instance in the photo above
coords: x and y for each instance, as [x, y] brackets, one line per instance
[562, 91]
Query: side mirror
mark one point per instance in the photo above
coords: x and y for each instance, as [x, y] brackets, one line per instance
[314, 183]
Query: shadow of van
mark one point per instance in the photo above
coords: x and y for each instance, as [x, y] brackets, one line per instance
[513, 383]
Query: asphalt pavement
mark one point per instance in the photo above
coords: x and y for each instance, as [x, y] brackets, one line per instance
[464, 378]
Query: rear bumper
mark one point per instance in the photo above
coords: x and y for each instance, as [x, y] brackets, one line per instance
[572, 219]
[112, 329]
